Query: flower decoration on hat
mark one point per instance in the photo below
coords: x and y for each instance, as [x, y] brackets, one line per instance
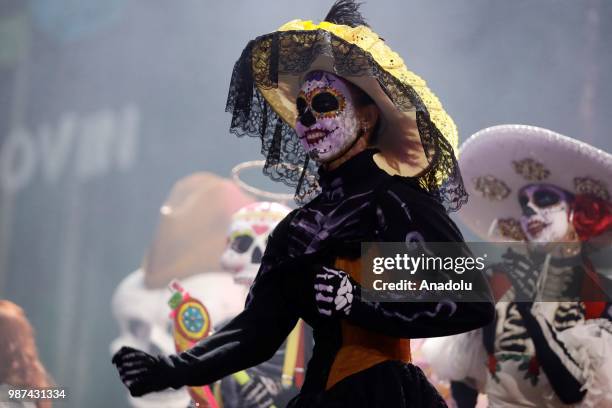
[522, 188]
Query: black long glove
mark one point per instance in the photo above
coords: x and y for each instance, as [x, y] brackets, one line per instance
[143, 373]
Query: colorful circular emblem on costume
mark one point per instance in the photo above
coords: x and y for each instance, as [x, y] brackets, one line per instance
[192, 320]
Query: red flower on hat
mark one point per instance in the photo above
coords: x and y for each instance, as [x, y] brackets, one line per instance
[592, 216]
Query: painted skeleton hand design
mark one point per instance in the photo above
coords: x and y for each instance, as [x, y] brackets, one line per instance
[523, 274]
[333, 292]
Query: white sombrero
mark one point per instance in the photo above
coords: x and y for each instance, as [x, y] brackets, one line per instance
[497, 161]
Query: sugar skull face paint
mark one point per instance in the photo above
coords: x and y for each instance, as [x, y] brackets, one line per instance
[327, 122]
[545, 210]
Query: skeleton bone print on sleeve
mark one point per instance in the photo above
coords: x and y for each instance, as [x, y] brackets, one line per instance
[399, 216]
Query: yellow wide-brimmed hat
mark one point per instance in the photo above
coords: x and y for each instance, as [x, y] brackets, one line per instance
[417, 138]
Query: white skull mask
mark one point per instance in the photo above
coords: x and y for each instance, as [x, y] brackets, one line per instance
[144, 320]
[545, 212]
[248, 236]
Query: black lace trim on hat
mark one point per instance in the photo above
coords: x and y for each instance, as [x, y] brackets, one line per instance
[293, 52]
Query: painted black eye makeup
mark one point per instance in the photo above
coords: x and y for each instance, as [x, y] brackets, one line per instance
[546, 198]
[523, 200]
[325, 102]
[301, 105]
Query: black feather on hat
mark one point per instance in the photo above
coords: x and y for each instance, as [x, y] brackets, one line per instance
[346, 12]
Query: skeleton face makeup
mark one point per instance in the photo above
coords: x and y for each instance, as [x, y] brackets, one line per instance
[327, 122]
[545, 210]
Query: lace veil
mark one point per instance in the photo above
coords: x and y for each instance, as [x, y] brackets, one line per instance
[417, 137]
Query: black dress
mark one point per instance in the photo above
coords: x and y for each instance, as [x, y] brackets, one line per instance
[359, 202]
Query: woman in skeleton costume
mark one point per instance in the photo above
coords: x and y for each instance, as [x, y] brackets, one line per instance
[342, 119]
[532, 185]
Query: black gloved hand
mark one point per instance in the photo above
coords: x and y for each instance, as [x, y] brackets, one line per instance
[141, 372]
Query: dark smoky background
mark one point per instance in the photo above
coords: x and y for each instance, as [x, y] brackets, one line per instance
[105, 103]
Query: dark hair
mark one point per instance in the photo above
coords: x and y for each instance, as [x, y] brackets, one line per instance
[362, 99]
